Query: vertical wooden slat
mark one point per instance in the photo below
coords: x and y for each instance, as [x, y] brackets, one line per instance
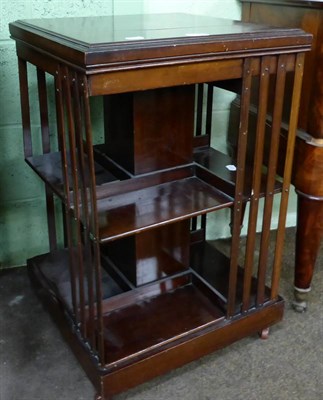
[194, 224]
[241, 160]
[25, 108]
[198, 130]
[59, 139]
[209, 109]
[199, 109]
[94, 223]
[299, 67]
[43, 109]
[256, 179]
[67, 195]
[271, 176]
[203, 223]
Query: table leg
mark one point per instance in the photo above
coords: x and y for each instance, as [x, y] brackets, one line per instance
[309, 235]
[308, 239]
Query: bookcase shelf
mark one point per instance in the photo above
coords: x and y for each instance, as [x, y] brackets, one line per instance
[224, 167]
[149, 207]
[49, 168]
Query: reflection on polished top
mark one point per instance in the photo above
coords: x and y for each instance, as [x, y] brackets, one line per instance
[112, 29]
[109, 39]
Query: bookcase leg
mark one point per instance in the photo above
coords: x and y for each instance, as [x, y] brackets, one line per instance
[100, 397]
[264, 333]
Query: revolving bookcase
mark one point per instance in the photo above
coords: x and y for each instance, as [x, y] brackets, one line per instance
[131, 279]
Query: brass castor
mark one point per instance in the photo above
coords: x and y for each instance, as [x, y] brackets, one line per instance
[264, 334]
[102, 397]
[300, 302]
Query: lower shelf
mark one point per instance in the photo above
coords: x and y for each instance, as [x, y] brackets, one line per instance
[213, 266]
[148, 330]
[154, 322]
[139, 321]
[54, 269]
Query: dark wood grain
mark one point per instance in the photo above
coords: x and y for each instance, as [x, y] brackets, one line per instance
[150, 207]
[213, 338]
[135, 137]
[296, 3]
[151, 255]
[96, 46]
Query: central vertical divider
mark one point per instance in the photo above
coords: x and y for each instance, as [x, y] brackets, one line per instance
[145, 132]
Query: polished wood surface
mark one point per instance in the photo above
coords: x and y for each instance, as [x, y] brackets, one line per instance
[167, 247]
[134, 132]
[316, 4]
[308, 165]
[115, 40]
[135, 257]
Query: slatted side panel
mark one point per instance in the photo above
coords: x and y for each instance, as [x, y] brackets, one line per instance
[74, 221]
[297, 87]
[93, 219]
[261, 266]
[75, 142]
[68, 201]
[256, 180]
[46, 148]
[45, 134]
[271, 176]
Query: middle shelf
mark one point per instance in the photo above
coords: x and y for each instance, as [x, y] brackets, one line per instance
[127, 204]
[144, 201]
[149, 201]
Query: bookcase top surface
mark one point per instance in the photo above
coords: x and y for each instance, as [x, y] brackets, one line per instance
[146, 36]
[296, 3]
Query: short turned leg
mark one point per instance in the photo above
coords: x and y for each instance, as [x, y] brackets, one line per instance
[100, 397]
[308, 239]
[264, 333]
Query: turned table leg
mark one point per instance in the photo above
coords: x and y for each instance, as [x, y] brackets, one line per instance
[309, 187]
[308, 239]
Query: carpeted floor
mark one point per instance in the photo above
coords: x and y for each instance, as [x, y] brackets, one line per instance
[35, 363]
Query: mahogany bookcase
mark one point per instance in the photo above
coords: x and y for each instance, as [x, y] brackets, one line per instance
[130, 279]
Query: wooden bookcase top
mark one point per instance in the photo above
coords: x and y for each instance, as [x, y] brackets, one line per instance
[295, 3]
[120, 40]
